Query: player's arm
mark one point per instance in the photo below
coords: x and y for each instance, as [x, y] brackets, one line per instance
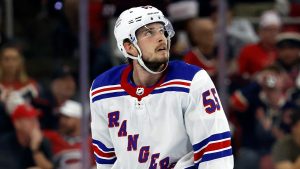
[207, 125]
[104, 152]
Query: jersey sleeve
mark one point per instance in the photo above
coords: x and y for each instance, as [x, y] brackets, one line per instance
[101, 141]
[207, 125]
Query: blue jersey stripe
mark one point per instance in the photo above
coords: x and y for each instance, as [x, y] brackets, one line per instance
[157, 91]
[102, 146]
[176, 70]
[169, 89]
[214, 137]
[105, 161]
[110, 77]
[216, 155]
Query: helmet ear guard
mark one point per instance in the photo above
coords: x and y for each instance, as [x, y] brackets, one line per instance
[134, 18]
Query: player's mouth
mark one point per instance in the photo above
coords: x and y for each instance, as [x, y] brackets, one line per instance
[161, 48]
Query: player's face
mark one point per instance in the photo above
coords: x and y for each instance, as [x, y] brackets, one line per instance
[153, 44]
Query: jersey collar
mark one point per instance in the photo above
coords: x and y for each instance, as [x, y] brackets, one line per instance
[137, 91]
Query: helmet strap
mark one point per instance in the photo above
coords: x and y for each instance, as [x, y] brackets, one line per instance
[142, 63]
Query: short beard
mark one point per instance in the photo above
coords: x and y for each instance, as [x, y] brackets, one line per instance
[156, 66]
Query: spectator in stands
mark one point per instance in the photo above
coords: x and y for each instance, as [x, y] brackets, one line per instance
[13, 75]
[288, 58]
[67, 141]
[260, 108]
[239, 31]
[14, 78]
[180, 12]
[62, 88]
[286, 152]
[255, 57]
[290, 9]
[203, 53]
[25, 147]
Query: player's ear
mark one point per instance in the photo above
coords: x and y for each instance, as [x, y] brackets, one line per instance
[130, 48]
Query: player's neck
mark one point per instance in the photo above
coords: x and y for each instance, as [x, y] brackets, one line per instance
[143, 78]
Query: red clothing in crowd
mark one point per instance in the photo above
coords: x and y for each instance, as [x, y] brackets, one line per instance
[67, 150]
[28, 90]
[254, 58]
[195, 57]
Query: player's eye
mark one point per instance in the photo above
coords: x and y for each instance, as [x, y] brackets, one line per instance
[161, 30]
[151, 32]
[148, 33]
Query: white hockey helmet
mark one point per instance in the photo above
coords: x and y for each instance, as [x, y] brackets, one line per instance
[134, 18]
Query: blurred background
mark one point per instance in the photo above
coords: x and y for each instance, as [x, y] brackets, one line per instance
[51, 50]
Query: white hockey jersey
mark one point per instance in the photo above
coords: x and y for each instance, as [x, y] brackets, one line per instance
[177, 123]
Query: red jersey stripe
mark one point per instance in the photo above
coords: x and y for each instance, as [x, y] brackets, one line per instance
[176, 83]
[212, 147]
[105, 89]
[100, 153]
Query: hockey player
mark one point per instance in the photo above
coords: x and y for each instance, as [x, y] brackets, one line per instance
[154, 114]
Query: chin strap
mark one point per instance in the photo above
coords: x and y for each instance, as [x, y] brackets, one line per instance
[141, 62]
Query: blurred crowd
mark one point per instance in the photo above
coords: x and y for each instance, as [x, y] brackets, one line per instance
[40, 113]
